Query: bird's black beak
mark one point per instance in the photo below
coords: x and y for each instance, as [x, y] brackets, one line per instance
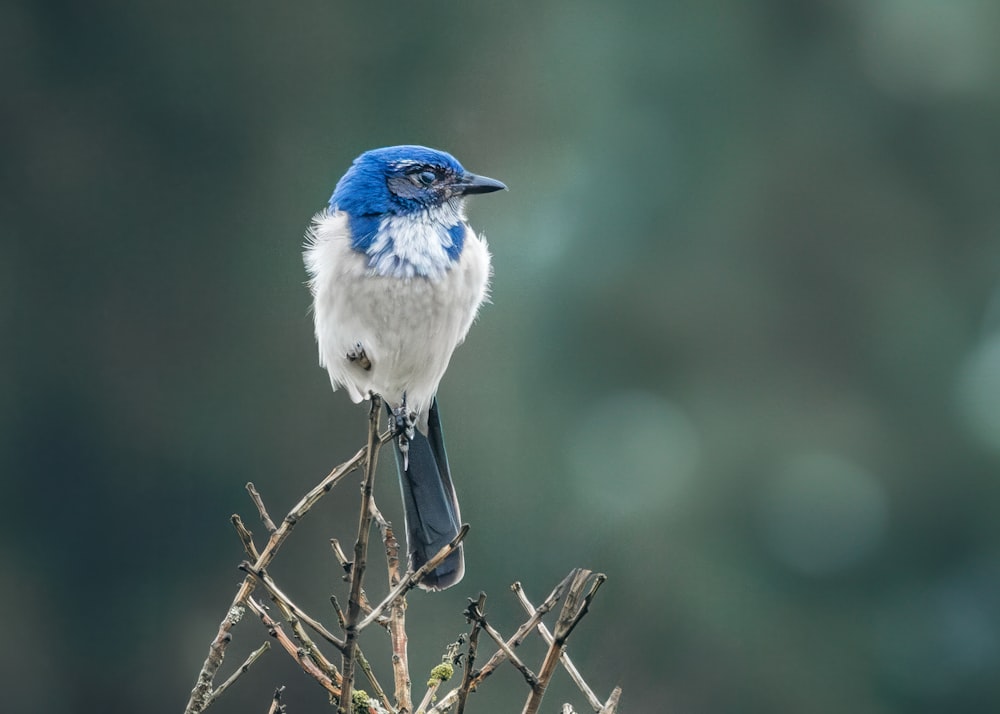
[470, 183]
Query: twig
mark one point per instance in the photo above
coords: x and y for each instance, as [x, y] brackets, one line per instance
[611, 706]
[275, 630]
[362, 661]
[360, 556]
[574, 607]
[499, 656]
[277, 594]
[217, 648]
[246, 537]
[528, 675]
[287, 609]
[411, 579]
[432, 687]
[276, 706]
[338, 553]
[574, 673]
[442, 672]
[397, 616]
[254, 656]
[259, 502]
[475, 613]
[370, 674]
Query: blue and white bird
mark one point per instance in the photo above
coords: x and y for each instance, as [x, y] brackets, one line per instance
[397, 277]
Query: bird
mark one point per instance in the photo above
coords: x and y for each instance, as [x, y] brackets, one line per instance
[397, 277]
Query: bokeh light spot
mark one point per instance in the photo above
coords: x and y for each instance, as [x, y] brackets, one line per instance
[978, 393]
[822, 514]
[632, 453]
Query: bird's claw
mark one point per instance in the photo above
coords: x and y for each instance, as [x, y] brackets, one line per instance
[403, 428]
[358, 355]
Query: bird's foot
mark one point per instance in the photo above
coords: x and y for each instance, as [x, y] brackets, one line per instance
[403, 423]
[358, 356]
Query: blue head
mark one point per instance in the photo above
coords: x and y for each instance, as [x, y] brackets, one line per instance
[384, 187]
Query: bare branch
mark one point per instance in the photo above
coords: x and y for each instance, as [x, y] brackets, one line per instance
[217, 649]
[246, 537]
[411, 579]
[396, 621]
[341, 557]
[276, 706]
[259, 502]
[574, 673]
[277, 594]
[575, 606]
[291, 648]
[528, 675]
[360, 555]
[611, 706]
[370, 674]
[499, 656]
[254, 656]
[474, 613]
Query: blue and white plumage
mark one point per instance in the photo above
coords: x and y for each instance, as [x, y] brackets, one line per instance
[397, 277]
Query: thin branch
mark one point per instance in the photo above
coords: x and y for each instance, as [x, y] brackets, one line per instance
[259, 502]
[575, 606]
[499, 656]
[567, 663]
[370, 674]
[254, 656]
[275, 630]
[442, 672]
[396, 623]
[475, 613]
[411, 579]
[432, 687]
[611, 706]
[360, 556]
[277, 594]
[341, 557]
[528, 675]
[276, 706]
[246, 537]
[287, 609]
[362, 661]
[217, 648]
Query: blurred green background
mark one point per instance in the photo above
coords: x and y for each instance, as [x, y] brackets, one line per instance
[743, 356]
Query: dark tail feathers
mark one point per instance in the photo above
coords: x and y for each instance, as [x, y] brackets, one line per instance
[432, 515]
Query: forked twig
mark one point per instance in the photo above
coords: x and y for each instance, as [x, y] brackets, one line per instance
[287, 608]
[567, 663]
[291, 648]
[259, 502]
[411, 579]
[611, 706]
[575, 606]
[389, 612]
[217, 649]
[241, 670]
[276, 706]
[517, 638]
[277, 594]
[520, 666]
[475, 613]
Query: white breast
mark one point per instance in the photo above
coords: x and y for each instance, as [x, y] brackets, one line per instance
[407, 326]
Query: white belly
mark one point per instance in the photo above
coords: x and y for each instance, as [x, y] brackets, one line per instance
[407, 327]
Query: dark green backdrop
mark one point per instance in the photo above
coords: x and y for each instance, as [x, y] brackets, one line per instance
[743, 356]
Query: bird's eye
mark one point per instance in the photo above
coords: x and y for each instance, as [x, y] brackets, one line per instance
[426, 177]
